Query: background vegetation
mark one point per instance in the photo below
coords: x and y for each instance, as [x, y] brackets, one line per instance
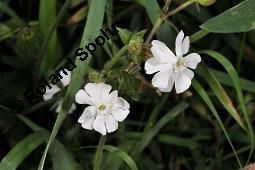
[208, 127]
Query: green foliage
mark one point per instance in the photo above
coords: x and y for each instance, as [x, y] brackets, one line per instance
[209, 126]
[240, 18]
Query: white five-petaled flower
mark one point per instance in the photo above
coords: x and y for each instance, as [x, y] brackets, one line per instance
[170, 68]
[51, 92]
[106, 109]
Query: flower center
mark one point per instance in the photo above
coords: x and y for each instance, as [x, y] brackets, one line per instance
[180, 63]
[101, 107]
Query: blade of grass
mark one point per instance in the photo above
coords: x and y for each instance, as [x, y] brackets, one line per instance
[147, 137]
[6, 9]
[47, 16]
[220, 93]
[238, 87]
[197, 86]
[62, 159]
[178, 141]
[153, 116]
[21, 150]
[123, 155]
[92, 28]
[153, 9]
[225, 79]
[50, 34]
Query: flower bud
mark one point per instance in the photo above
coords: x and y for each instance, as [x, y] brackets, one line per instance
[95, 77]
[206, 2]
[135, 45]
[28, 42]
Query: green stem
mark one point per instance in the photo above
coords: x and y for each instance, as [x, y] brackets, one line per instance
[240, 56]
[178, 9]
[113, 60]
[99, 152]
[165, 16]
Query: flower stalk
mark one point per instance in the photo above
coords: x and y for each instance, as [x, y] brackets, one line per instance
[165, 15]
[99, 152]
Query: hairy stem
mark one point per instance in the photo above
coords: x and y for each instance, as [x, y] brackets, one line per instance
[99, 152]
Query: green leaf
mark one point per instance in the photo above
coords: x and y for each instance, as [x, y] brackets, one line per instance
[125, 35]
[220, 93]
[147, 136]
[47, 16]
[91, 31]
[21, 150]
[240, 18]
[5, 8]
[153, 11]
[132, 85]
[197, 86]
[62, 159]
[178, 141]
[123, 155]
[238, 87]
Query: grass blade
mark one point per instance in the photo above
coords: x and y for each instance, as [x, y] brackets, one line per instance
[220, 93]
[47, 16]
[21, 150]
[238, 87]
[91, 30]
[5, 8]
[123, 155]
[140, 146]
[197, 86]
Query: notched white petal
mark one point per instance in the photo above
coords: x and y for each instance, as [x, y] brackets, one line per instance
[99, 124]
[182, 83]
[192, 60]
[111, 124]
[178, 43]
[161, 79]
[120, 113]
[82, 97]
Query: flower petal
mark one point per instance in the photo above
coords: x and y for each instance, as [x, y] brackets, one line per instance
[189, 73]
[66, 78]
[72, 108]
[97, 91]
[192, 60]
[111, 124]
[161, 79]
[88, 122]
[178, 43]
[50, 92]
[169, 86]
[99, 124]
[82, 97]
[162, 53]
[182, 83]
[152, 65]
[122, 103]
[185, 45]
[119, 113]
[89, 111]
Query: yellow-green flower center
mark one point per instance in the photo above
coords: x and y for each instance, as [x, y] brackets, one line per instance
[180, 63]
[101, 107]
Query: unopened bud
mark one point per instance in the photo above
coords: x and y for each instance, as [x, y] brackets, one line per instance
[135, 46]
[95, 77]
[206, 2]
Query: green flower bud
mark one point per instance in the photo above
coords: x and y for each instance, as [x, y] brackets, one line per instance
[28, 42]
[206, 2]
[95, 77]
[135, 45]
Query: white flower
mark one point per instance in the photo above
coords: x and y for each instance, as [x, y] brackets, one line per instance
[106, 109]
[170, 68]
[51, 92]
